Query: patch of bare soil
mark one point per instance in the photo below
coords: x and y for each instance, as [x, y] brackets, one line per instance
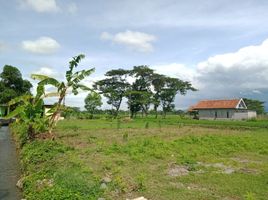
[224, 169]
[178, 170]
[228, 169]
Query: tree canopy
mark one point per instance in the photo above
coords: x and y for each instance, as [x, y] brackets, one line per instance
[92, 102]
[253, 104]
[142, 88]
[114, 88]
[12, 84]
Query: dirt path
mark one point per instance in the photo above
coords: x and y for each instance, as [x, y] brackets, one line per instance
[9, 168]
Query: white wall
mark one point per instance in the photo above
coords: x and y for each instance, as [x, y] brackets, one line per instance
[222, 114]
[245, 115]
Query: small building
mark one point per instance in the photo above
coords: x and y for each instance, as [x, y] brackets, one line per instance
[47, 108]
[235, 109]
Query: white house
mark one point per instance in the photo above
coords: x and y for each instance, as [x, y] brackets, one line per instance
[223, 109]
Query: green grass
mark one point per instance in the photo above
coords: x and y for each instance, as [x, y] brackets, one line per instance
[139, 154]
[171, 120]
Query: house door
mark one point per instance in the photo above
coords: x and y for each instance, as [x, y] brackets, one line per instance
[216, 115]
[228, 114]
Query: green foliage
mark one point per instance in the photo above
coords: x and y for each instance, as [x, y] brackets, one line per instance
[12, 84]
[145, 89]
[72, 81]
[92, 102]
[47, 160]
[41, 151]
[140, 94]
[118, 123]
[29, 111]
[125, 137]
[250, 196]
[138, 160]
[140, 179]
[256, 105]
[172, 86]
[114, 88]
[146, 125]
[20, 130]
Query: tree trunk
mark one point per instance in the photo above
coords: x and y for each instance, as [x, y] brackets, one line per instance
[31, 132]
[155, 110]
[54, 115]
[118, 107]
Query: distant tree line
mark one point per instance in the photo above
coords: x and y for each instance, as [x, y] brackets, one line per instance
[142, 88]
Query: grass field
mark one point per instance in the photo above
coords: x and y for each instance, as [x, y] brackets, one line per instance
[167, 159]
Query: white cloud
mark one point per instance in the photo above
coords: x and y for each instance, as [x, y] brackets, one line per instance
[43, 45]
[41, 5]
[72, 8]
[256, 91]
[134, 40]
[47, 71]
[243, 73]
[176, 70]
[245, 69]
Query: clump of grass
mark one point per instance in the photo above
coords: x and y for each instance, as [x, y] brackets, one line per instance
[159, 124]
[125, 137]
[118, 123]
[146, 125]
[140, 179]
[250, 196]
[41, 151]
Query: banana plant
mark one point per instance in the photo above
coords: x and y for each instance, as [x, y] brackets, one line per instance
[72, 82]
[29, 110]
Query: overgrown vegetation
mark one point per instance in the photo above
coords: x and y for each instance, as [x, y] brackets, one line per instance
[112, 156]
[160, 159]
[30, 110]
[72, 82]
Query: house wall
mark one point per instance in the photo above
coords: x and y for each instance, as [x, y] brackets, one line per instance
[245, 115]
[221, 114]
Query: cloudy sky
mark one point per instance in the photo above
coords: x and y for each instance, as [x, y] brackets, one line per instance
[220, 46]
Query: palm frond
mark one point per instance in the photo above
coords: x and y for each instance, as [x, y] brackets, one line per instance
[50, 81]
[39, 77]
[15, 112]
[52, 94]
[23, 98]
[72, 64]
[80, 75]
[83, 87]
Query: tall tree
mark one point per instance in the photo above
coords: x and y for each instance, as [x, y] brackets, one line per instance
[158, 84]
[140, 95]
[12, 84]
[114, 88]
[92, 102]
[172, 87]
[256, 105]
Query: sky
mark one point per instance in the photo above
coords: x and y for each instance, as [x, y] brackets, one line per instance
[220, 46]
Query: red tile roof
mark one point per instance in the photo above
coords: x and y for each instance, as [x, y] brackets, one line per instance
[213, 104]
